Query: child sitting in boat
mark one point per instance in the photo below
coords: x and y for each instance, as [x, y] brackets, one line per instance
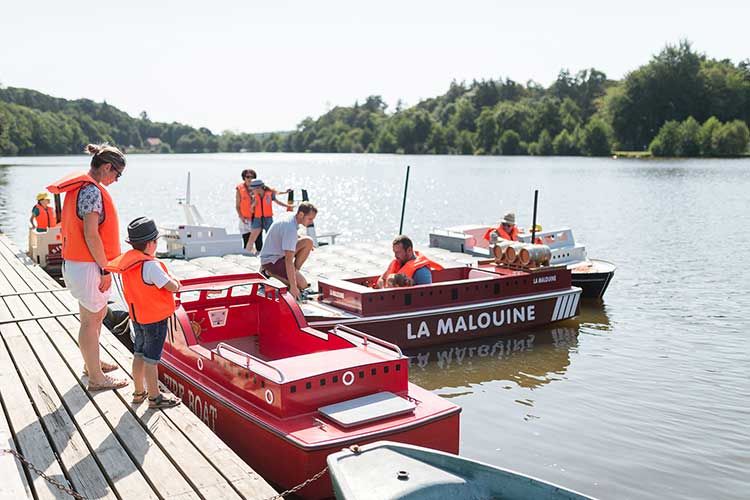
[149, 295]
[398, 280]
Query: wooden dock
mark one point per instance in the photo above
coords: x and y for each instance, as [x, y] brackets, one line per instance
[97, 445]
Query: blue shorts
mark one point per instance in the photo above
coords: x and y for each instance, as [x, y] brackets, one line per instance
[149, 340]
[261, 222]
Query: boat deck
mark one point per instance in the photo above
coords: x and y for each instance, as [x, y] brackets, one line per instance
[96, 444]
[332, 261]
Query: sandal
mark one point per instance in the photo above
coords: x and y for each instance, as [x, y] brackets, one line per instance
[106, 368]
[139, 397]
[109, 383]
[163, 402]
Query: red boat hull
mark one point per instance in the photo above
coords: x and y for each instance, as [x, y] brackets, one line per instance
[276, 457]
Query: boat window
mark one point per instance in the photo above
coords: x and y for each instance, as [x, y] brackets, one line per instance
[335, 379]
[385, 369]
[374, 371]
[407, 299]
[216, 294]
[398, 368]
[322, 382]
[308, 385]
[361, 374]
[293, 389]
[496, 288]
[454, 293]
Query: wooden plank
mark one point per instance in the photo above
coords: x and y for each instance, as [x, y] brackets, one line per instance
[155, 464]
[82, 470]
[122, 472]
[14, 483]
[226, 461]
[32, 441]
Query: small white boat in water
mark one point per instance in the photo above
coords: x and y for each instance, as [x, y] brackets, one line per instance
[391, 470]
[591, 275]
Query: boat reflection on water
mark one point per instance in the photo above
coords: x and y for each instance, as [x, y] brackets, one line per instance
[530, 359]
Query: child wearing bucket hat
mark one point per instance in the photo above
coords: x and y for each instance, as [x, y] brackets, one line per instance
[149, 294]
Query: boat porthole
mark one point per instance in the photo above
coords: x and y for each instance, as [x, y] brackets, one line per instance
[200, 364]
[269, 396]
[348, 378]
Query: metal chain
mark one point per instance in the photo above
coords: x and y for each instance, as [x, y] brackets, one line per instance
[50, 480]
[353, 448]
[299, 486]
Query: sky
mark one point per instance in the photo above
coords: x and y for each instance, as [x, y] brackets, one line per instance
[264, 66]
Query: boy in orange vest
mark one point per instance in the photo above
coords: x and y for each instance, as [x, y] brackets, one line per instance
[149, 295]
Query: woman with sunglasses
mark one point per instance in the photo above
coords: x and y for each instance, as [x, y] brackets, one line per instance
[91, 238]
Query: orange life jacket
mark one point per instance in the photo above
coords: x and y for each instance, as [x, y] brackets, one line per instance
[146, 303]
[46, 218]
[502, 233]
[264, 205]
[411, 266]
[245, 205]
[74, 245]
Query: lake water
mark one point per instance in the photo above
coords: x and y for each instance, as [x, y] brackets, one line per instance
[646, 395]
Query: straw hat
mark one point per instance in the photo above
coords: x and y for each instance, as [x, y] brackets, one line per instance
[42, 196]
[509, 218]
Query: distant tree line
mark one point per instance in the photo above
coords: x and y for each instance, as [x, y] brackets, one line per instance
[681, 103]
[34, 123]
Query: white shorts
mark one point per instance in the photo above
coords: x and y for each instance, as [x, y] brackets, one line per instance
[245, 227]
[82, 279]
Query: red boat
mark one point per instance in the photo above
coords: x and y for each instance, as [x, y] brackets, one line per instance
[462, 303]
[283, 395]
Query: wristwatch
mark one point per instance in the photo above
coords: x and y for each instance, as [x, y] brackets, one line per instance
[103, 272]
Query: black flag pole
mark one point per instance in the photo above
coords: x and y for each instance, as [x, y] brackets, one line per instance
[403, 205]
[533, 224]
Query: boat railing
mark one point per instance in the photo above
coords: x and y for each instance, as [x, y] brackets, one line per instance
[248, 358]
[367, 338]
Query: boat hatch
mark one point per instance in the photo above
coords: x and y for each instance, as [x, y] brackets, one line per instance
[367, 409]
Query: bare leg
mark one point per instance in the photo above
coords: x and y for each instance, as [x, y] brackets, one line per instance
[304, 247]
[138, 374]
[301, 281]
[88, 342]
[152, 379]
[251, 240]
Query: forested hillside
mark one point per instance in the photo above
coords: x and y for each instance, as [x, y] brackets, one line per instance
[681, 103]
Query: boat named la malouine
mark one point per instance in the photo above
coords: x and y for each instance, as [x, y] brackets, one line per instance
[283, 395]
[462, 303]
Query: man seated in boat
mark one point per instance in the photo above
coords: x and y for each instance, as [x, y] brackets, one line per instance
[507, 229]
[410, 263]
[284, 251]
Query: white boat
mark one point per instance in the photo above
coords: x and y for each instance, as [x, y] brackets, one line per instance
[391, 470]
[195, 238]
[592, 275]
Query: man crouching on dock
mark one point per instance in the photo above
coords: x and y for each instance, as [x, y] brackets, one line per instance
[284, 251]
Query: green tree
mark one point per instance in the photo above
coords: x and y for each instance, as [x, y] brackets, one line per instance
[595, 140]
[566, 144]
[731, 139]
[544, 144]
[706, 134]
[510, 143]
[667, 141]
[486, 130]
[689, 138]
[465, 116]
